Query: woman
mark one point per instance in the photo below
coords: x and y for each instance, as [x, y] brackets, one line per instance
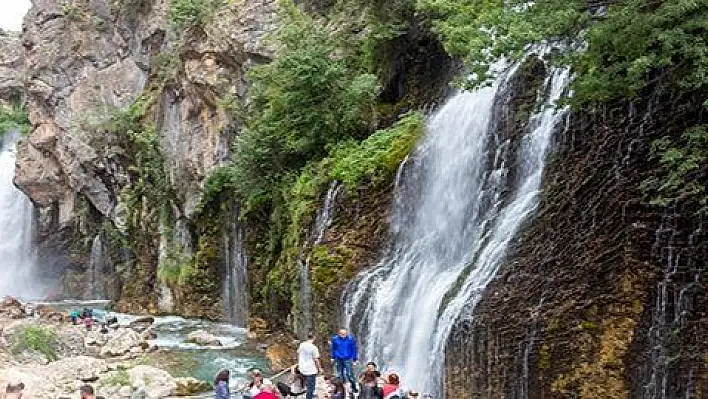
[338, 391]
[221, 385]
[392, 388]
[267, 390]
[369, 385]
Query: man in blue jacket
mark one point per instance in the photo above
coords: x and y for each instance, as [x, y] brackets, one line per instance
[344, 354]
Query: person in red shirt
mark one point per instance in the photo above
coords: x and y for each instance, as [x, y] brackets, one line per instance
[267, 390]
[392, 388]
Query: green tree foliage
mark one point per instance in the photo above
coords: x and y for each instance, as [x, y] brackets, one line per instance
[37, 338]
[683, 168]
[14, 118]
[310, 97]
[630, 45]
[186, 14]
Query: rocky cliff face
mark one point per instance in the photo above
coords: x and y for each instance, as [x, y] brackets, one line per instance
[12, 76]
[603, 297]
[86, 62]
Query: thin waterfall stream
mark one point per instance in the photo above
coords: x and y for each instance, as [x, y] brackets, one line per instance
[464, 196]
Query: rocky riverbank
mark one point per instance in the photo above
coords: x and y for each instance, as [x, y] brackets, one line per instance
[41, 348]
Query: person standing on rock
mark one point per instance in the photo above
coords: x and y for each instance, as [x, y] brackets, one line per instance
[344, 356]
[221, 385]
[308, 361]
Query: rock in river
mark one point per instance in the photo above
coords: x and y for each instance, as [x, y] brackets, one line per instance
[201, 337]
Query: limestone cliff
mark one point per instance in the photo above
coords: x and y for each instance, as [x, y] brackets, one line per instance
[11, 67]
[87, 61]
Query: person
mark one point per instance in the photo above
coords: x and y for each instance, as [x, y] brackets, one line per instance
[86, 392]
[392, 389]
[344, 355]
[74, 315]
[254, 386]
[338, 390]
[14, 391]
[221, 385]
[267, 390]
[413, 394]
[369, 384]
[308, 360]
[294, 384]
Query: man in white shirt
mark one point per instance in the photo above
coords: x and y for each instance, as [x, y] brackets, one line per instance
[308, 360]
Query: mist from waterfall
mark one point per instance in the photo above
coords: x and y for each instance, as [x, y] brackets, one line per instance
[460, 202]
[18, 254]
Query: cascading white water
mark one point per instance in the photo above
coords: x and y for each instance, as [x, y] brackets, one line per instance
[457, 211]
[18, 255]
[323, 219]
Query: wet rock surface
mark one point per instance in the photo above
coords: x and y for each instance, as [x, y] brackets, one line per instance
[572, 311]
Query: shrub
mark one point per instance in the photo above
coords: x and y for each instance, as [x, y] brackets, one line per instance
[14, 118]
[185, 14]
[36, 338]
[683, 163]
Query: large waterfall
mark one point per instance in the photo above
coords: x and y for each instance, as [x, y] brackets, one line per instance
[460, 202]
[18, 256]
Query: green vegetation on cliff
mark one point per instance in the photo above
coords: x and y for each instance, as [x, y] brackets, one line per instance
[682, 163]
[310, 97]
[185, 14]
[14, 118]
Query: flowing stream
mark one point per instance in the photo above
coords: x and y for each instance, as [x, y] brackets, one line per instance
[183, 359]
[18, 255]
[461, 200]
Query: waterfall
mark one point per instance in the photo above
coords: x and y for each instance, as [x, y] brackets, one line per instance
[96, 269]
[18, 255]
[323, 219]
[670, 370]
[235, 281]
[462, 200]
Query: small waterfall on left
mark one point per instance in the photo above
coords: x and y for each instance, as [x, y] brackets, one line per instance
[18, 254]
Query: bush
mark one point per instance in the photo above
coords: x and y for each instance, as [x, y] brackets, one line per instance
[683, 165]
[379, 155]
[185, 14]
[36, 338]
[14, 118]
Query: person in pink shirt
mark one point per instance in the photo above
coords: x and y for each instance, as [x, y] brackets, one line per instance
[267, 390]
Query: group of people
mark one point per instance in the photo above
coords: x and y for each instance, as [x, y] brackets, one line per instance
[302, 378]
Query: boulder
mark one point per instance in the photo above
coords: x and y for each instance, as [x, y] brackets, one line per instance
[121, 342]
[156, 383]
[149, 334]
[201, 337]
[141, 324]
[49, 313]
[190, 386]
[12, 308]
[95, 338]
